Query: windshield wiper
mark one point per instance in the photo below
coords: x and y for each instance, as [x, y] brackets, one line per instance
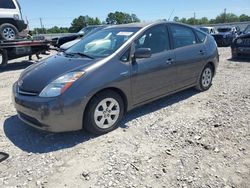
[80, 54]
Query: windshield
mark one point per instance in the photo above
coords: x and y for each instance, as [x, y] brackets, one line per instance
[104, 42]
[247, 30]
[86, 30]
[224, 30]
[206, 30]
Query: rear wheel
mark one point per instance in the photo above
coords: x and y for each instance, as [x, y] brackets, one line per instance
[104, 112]
[3, 58]
[8, 32]
[206, 78]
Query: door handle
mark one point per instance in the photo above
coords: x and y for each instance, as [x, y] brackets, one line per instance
[169, 61]
[201, 52]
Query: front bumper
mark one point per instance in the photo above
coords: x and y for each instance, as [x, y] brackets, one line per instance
[241, 51]
[49, 114]
[223, 41]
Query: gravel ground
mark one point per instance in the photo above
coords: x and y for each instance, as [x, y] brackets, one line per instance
[189, 139]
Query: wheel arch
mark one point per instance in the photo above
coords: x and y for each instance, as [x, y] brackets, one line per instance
[212, 65]
[114, 89]
[9, 21]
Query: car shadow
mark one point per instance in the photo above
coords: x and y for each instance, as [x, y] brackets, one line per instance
[240, 59]
[16, 66]
[35, 141]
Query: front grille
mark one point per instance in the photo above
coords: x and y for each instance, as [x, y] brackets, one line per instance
[30, 119]
[28, 93]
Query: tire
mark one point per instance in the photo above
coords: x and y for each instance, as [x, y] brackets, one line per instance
[206, 78]
[8, 32]
[3, 58]
[98, 120]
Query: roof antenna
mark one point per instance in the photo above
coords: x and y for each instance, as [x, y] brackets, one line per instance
[171, 15]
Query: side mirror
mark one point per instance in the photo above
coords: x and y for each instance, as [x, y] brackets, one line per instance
[142, 53]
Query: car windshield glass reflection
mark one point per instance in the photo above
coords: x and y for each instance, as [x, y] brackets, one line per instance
[247, 30]
[103, 43]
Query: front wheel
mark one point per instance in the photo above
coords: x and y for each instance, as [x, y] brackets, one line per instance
[104, 112]
[206, 78]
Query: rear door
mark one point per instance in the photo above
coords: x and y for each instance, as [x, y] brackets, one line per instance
[190, 54]
[154, 76]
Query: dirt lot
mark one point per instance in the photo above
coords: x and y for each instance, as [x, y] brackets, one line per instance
[189, 139]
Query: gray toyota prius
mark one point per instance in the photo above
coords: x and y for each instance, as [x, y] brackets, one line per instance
[92, 84]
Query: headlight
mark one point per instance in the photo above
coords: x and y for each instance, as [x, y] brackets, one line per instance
[61, 84]
[239, 41]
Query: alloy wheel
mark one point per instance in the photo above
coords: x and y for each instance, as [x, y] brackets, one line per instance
[9, 33]
[207, 77]
[107, 113]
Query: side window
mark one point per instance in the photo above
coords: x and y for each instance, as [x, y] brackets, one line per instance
[155, 38]
[202, 37]
[182, 36]
[125, 57]
[7, 4]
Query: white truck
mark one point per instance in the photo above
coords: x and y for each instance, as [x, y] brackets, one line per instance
[11, 21]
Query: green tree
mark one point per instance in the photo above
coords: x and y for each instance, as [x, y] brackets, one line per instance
[56, 29]
[183, 20]
[244, 18]
[203, 20]
[226, 18]
[83, 21]
[121, 18]
[176, 19]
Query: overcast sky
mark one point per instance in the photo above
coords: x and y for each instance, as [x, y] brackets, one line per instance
[62, 12]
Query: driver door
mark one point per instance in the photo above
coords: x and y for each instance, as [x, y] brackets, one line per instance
[154, 76]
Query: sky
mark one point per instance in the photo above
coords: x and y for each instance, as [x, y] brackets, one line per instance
[62, 12]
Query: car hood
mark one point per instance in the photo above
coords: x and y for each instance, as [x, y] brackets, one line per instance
[69, 44]
[69, 37]
[37, 77]
[244, 36]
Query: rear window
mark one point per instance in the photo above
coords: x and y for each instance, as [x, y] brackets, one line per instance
[7, 4]
[182, 36]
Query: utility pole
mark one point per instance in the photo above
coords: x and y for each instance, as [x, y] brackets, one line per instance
[225, 15]
[41, 22]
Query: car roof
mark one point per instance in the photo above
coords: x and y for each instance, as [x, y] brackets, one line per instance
[144, 24]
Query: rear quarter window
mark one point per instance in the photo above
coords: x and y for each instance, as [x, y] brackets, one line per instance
[182, 36]
[201, 36]
[7, 4]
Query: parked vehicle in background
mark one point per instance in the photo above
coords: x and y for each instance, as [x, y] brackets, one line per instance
[241, 45]
[247, 30]
[92, 84]
[225, 35]
[57, 42]
[19, 48]
[67, 45]
[11, 22]
[208, 30]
